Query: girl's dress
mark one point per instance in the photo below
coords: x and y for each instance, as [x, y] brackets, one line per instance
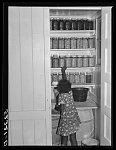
[69, 119]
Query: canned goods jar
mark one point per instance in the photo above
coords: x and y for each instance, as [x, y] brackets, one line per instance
[86, 24]
[74, 62]
[61, 24]
[77, 24]
[81, 43]
[82, 77]
[67, 76]
[50, 43]
[68, 61]
[91, 24]
[73, 43]
[51, 62]
[91, 42]
[85, 43]
[55, 24]
[51, 78]
[85, 61]
[73, 24]
[79, 61]
[61, 61]
[67, 43]
[76, 80]
[51, 23]
[78, 43]
[55, 61]
[91, 61]
[55, 43]
[71, 77]
[80, 24]
[88, 77]
[59, 76]
[68, 24]
[61, 43]
[55, 77]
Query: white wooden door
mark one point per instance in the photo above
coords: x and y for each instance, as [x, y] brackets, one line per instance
[29, 110]
[105, 129]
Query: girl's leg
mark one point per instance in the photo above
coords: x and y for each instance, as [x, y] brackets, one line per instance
[64, 140]
[73, 139]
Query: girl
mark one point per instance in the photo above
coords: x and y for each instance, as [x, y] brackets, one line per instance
[69, 120]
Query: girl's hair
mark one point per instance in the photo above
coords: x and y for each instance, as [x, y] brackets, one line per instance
[64, 86]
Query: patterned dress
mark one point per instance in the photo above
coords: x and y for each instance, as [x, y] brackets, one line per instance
[69, 119]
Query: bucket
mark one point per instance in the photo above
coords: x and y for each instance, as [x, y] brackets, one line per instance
[80, 94]
[90, 142]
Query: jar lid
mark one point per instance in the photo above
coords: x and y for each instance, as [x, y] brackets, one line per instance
[80, 56]
[56, 56]
[85, 56]
[73, 56]
[76, 72]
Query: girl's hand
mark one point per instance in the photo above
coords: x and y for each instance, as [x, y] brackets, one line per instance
[63, 68]
[55, 91]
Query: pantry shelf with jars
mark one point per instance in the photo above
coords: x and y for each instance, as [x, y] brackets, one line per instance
[72, 43]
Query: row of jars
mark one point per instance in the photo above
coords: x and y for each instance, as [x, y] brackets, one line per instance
[72, 61]
[71, 24]
[72, 43]
[74, 77]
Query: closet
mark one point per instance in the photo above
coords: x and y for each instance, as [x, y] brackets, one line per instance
[41, 40]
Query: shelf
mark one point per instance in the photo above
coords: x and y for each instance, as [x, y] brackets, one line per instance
[79, 52]
[88, 104]
[69, 17]
[74, 52]
[79, 85]
[72, 33]
[84, 69]
[87, 49]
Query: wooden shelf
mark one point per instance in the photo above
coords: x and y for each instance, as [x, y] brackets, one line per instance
[88, 104]
[84, 69]
[79, 85]
[75, 52]
[72, 33]
[87, 49]
[69, 17]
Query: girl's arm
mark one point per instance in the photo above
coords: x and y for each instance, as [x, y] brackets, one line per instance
[62, 106]
[63, 72]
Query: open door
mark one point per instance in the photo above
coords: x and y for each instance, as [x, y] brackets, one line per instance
[29, 112]
[105, 138]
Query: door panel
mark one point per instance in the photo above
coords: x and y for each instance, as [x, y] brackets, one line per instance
[37, 20]
[38, 68]
[28, 132]
[14, 81]
[16, 132]
[26, 58]
[40, 132]
[38, 58]
[105, 138]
